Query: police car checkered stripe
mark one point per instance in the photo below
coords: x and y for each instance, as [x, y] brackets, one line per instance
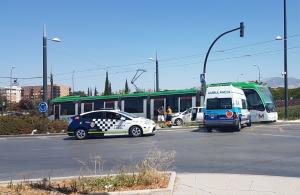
[105, 124]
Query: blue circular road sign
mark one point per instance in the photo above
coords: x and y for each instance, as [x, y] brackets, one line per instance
[43, 107]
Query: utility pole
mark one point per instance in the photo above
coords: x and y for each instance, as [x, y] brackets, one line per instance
[51, 86]
[73, 81]
[285, 65]
[45, 92]
[10, 86]
[157, 78]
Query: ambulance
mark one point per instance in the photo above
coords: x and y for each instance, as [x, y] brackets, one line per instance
[226, 106]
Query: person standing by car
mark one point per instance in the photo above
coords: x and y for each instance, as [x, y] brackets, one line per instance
[160, 117]
[169, 116]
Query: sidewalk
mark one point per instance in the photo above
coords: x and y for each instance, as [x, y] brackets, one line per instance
[235, 184]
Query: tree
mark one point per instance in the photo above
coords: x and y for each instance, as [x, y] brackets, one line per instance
[25, 104]
[127, 90]
[107, 87]
[78, 93]
[88, 92]
[95, 92]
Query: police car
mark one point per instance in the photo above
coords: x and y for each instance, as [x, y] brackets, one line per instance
[112, 122]
[191, 115]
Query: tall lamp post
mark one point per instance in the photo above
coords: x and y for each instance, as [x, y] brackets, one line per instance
[45, 39]
[285, 72]
[156, 70]
[202, 76]
[258, 72]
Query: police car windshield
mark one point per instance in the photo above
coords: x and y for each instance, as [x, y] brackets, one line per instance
[128, 114]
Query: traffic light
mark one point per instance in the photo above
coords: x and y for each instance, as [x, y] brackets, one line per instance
[242, 28]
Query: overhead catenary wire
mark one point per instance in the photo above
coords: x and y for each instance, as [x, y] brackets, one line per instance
[197, 62]
[106, 67]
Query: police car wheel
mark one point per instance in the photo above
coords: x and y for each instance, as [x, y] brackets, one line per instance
[239, 126]
[178, 122]
[80, 134]
[135, 131]
[249, 124]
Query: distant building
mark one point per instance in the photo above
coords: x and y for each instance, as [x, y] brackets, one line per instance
[35, 92]
[12, 94]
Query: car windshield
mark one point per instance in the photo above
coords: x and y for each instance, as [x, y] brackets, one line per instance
[128, 114]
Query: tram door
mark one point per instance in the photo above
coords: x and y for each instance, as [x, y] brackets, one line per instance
[56, 111]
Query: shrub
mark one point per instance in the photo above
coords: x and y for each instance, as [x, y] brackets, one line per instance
[11, 125]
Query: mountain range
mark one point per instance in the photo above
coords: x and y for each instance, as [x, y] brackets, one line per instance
[279, 82]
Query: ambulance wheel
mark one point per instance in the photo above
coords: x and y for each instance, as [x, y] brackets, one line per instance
[80, 134]
[178, 122]
[208, 129]
[135, 131]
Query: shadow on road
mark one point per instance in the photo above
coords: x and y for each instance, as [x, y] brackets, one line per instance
[216, 130]
[107, 137]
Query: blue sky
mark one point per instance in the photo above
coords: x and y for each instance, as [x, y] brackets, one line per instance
[119, 36]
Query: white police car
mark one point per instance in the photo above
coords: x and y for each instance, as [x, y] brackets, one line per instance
[191, 115]
[112, 122]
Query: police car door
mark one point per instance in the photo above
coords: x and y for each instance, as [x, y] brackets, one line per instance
[114, 123]
[187, 117]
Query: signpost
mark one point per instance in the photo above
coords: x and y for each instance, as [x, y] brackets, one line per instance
[43, 107]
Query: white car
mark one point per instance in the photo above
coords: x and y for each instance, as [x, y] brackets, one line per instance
[191, 115]
[112, 122]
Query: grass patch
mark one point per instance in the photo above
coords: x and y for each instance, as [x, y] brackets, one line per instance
[150, 173]
[293, 112]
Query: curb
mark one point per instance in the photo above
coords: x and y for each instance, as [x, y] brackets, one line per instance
[162, 191]
[34, 135]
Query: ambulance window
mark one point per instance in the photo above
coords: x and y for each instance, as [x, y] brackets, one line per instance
[225, 103]
[219, 103]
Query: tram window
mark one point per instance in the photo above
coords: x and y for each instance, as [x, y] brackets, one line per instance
[185, 103]
[110, 104]
[173, 102]
[67, 108]
[134, 105]
[88, 107]
[98, 105]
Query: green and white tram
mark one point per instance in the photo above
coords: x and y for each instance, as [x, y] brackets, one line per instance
[259, 99]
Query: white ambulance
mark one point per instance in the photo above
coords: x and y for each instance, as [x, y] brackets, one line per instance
[225, 106]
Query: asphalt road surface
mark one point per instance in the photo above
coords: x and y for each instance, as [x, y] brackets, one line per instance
[267, 149]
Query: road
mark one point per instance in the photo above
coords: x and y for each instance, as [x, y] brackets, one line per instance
[268, 149]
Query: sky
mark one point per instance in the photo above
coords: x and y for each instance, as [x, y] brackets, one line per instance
[121, 36]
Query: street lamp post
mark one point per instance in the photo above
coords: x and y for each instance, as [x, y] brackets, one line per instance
[285, 72]
[156, 71]
[45, 92]
[258, 72]
[202, 76]
[285, 64]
